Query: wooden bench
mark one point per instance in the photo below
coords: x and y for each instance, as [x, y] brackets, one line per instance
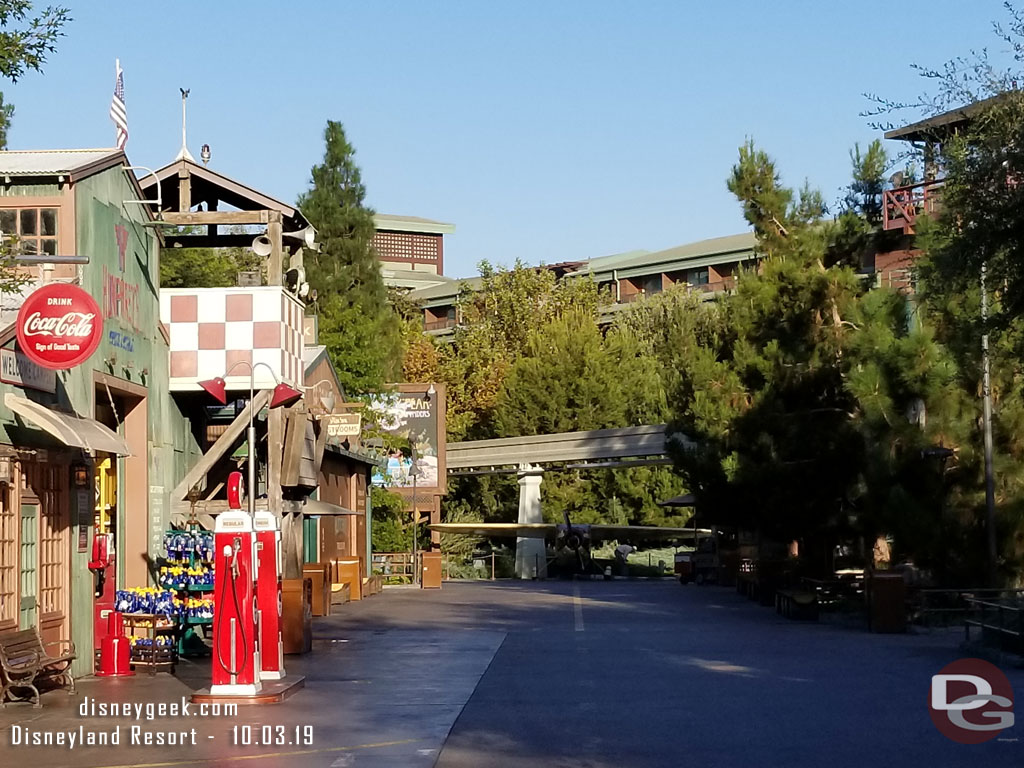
[24, 660]
[797, 604]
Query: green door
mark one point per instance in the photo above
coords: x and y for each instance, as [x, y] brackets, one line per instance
[29, 560]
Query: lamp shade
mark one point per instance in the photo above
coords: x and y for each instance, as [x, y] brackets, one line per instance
[216, 387]
[284, 395]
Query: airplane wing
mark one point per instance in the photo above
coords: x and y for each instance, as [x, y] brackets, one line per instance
[599, 531]
[525, 530]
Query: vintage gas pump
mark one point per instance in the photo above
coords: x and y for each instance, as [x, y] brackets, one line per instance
[268, 594]
[236, 659]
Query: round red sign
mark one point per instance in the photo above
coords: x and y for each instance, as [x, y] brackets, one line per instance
[59, 326]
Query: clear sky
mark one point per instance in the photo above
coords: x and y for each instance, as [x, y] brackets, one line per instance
[545, 131]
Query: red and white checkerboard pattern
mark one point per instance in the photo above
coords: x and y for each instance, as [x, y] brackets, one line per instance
[213, 329]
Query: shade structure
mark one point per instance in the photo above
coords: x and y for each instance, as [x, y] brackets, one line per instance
[317, 507]
[686, 500]
[71, 430]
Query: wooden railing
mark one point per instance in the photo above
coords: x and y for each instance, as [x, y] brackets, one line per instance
[439, 325]
[901, 206]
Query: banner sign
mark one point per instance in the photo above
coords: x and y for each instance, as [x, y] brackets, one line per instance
[59, 326]
[16, 368]
[343, 424]
[415, 417]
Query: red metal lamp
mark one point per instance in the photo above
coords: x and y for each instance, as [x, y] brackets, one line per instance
[284, 395]
[216, 387]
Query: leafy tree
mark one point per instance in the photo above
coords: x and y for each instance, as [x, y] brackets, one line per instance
[357, 324]
[390, 531]
[571, 377]
[497, 320]
[6, 118]
[25, 40]
[207, 267]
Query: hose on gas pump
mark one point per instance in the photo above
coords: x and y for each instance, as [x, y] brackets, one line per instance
[238, 613]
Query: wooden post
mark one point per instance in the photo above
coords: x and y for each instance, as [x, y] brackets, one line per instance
[275, 265]
[184, 189]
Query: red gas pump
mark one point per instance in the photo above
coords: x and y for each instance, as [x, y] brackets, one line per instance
[268, 594]
[236, 661]
[102, 565]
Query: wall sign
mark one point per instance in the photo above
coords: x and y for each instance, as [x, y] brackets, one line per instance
[342, 424]
[59, 326]
[16, 368]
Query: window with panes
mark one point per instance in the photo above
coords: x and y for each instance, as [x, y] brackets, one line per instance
[35, 229]
[8, 558]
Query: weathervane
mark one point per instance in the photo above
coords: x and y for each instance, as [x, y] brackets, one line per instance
[184, 154]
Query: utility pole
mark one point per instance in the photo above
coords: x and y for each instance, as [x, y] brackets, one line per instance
[986, 394]
[415, 517]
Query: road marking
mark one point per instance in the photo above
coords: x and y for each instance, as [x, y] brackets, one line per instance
[265, 756]
[577, 608]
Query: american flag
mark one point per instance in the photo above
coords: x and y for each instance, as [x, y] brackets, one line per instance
[118, 113]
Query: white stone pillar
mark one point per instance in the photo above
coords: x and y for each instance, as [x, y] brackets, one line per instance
[531, 556]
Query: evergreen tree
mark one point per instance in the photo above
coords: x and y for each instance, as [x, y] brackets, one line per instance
[357, 323]
[798, 394]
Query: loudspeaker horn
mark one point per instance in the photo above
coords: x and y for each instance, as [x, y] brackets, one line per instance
[262, 246]
[307, 235]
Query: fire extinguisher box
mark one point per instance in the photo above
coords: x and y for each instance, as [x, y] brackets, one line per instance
[320, 575]
[297, 615]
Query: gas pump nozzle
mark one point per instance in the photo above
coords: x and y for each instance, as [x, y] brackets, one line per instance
[232, 552]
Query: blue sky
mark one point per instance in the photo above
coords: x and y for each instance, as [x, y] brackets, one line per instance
[545, 131]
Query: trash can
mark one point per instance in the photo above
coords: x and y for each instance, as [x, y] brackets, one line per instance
[349, 570]
[431, 570]
[320, 575]
[297, 615]
[887, 595]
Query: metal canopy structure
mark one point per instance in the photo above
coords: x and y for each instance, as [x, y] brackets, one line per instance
[593, 449]
[73, 431]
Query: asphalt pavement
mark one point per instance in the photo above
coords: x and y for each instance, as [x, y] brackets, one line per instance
[585, 674]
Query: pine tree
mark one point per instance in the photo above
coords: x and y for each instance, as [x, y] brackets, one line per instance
[357, 324]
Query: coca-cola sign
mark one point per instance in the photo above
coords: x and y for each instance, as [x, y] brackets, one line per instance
[59, 326]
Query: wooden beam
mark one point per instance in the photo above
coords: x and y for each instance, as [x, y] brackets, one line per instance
[275, 446]
[294, 442]
[220, 447]
[219, 217]
[212, 507]
[208, 241]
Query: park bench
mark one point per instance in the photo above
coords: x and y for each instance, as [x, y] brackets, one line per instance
[24, 660]
[797, 604]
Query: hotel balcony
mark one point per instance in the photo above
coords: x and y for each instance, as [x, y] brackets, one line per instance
[901, 206]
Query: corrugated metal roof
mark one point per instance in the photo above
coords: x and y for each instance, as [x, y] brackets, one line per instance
[53, 162]
[938, 126]
[716, 250]
[411, 224]
[701, 250]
